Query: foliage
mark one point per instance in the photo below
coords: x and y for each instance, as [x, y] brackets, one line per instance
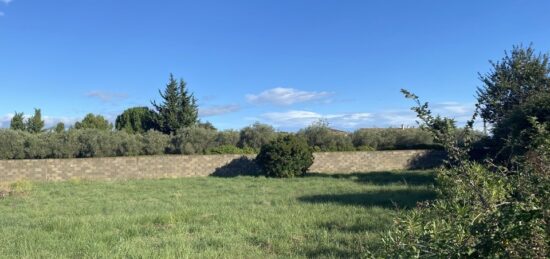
[256, 135]
[520, 75]
[227, 137]
[456, 143]
[136, 120]
[482, 210]
[155, 143]
[178, 108]
[230, 149]
[59, 127]
[92, 121]
[13, 144]
[288, 156]
[513, 133]
[392, 139]
[17, 121]
[35, 124]
[193, 140]
[322, 138]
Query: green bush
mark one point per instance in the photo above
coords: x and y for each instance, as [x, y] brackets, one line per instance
[155, 143]
[287, 156]
[60, 145]
[393, 138]
[126, 144]
[256, 136]
[321, 138]
[227, 137]
[484, 210]
[36, 146]
[193, 140]
[94, 143]
[513, 133]
[13, 144]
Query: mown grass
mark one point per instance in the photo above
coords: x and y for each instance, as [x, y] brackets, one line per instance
[241, 217]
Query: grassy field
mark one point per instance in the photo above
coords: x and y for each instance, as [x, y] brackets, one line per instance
[314, 216]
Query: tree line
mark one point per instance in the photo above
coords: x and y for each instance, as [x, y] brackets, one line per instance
[178, 109]
[172, 126]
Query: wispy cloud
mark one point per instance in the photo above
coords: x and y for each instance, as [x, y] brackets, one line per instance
[218, 110]
[295, 119]
[6, 1]
[285, 96]
[106, 97]
[1, 14]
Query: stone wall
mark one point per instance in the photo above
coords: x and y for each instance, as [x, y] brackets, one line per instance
[170, 166]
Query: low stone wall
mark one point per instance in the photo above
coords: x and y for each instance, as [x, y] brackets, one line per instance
[171, 166]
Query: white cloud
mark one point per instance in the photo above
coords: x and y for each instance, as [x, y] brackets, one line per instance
[218, 110]
[1, 14]
[285, 96]
[299, 119]
[6, 1]
[296, 119]
[106, 97]
[454, 108]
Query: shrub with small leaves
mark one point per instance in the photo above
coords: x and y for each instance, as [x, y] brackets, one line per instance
[155, 142]
[288, 156]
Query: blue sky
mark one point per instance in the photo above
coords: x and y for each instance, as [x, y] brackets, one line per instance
[286, 63]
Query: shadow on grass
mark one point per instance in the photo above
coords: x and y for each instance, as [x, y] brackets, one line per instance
[242, 166]
[382, 178]
[402, 199]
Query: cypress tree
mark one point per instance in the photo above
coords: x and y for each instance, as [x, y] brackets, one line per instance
[178, 108]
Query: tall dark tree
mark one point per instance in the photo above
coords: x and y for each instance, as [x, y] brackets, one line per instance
[17, 122]
[92, 121]
[178, 108]
[35, 124]
[521, 74]
[136, 120]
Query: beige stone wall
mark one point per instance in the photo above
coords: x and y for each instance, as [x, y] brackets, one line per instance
[170, 166]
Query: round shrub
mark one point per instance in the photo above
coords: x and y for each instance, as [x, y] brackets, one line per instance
[322, 138]
[256, 136]
[155, 142]
[193, 140]
[287, 156]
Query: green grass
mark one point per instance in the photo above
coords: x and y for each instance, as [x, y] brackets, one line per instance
[314, 216]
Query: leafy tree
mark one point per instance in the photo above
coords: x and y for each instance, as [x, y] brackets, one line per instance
[35, 124]
[17, 122]
[322, 138]
[92, 121]
[178, 109]
[194, 140]
[60, 127]
[256, 136]
[518, 76]
[136, 120]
